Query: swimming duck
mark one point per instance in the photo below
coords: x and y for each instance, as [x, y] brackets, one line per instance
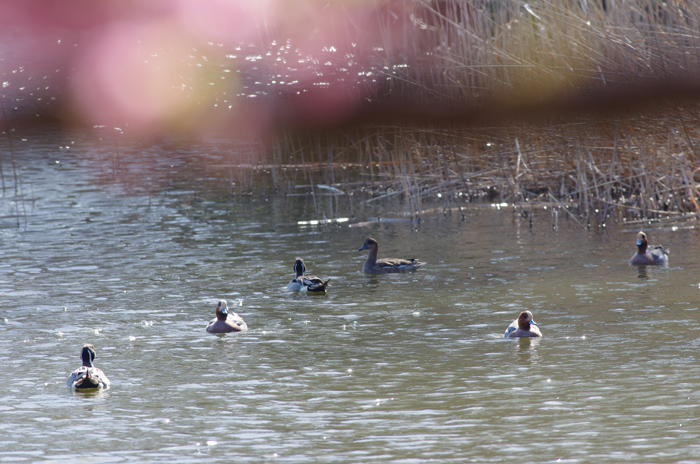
[385, 265]
[523, 326]
[87, 375]
[646, 254]
[226, 321]
[306, 283]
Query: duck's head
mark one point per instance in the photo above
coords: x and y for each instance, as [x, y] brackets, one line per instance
[642, 242]
[370, 244]
[525, 319]
[88, 355]
[299, 267]
[222, 310]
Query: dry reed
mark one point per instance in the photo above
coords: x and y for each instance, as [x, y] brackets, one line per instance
[512, 56]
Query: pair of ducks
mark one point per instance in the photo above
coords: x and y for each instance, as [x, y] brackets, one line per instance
[312, 284]
[524, 326]
[88, 376]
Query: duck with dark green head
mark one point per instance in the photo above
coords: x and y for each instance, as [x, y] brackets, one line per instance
[306, 283]
[88, 376]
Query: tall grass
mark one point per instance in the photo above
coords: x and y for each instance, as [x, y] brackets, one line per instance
[466, 50]
[642, 167]
[508, 58]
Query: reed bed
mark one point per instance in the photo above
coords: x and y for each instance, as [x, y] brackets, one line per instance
[468, 51]
[504, 58]
[635, 167]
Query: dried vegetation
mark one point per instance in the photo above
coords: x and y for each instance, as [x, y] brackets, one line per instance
[609, 86]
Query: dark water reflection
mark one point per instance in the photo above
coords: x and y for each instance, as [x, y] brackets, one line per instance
[394, 368]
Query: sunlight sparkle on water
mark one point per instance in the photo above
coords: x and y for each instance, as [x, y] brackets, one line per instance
[447, 381]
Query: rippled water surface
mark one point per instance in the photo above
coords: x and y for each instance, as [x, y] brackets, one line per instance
[132, 256]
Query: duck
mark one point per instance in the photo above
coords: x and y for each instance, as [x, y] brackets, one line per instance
[306, 283]
[385, 265]
[226, 321]
[87, 375]
[523, 326]
[647, 254]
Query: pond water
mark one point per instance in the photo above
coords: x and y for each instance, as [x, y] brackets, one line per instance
[132, 255]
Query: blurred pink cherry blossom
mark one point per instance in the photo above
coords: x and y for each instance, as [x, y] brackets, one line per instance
[142, 63]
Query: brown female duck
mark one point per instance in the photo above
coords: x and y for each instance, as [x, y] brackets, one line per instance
[385, 265]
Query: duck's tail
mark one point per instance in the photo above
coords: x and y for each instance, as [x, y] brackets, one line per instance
[319, 287]
[90, 379]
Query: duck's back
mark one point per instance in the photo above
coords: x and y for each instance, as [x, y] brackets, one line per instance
[518, 332]
[659, 254]
[656, 254]
[315, 284]
[295, 285]
[236, 319]
[225, 327]
[514, 331]
[87, 377]
[390, 265]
